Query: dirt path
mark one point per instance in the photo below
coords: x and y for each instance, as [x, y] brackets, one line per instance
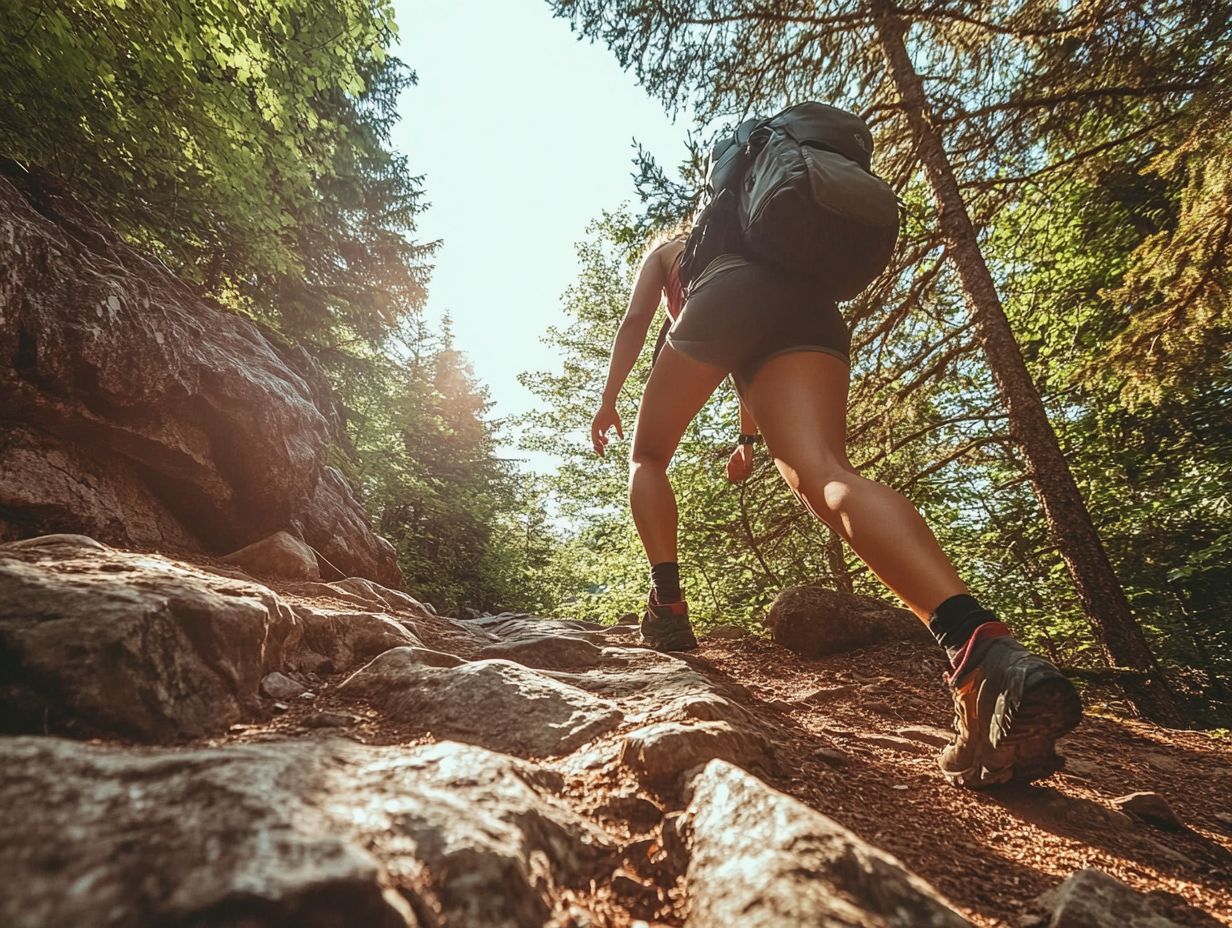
[991, 852]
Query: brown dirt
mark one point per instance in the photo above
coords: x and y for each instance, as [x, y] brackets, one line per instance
[992, 852]
[989, 852]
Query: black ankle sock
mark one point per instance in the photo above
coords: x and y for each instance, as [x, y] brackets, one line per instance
[955, 621]
[665, 579]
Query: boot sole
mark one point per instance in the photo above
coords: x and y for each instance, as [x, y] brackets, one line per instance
[1022, 746]
[685, 644]
[667, 633]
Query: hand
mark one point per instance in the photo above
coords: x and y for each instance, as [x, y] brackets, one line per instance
[605, 419]
[740, 464]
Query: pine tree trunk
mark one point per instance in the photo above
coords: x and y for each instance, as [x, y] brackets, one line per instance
[1069, 522]
[837, 559]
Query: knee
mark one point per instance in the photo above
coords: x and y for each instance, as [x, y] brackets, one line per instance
[645, 458]
[824, 485]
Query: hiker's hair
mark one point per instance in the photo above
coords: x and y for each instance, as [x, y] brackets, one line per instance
[676, 232]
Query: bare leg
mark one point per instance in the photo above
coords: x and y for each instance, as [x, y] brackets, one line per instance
[800, 403]
[677, 389]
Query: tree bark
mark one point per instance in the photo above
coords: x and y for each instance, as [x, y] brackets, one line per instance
[1069, 522]
[837, 560]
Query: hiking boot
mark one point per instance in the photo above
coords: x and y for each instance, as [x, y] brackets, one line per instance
[665, 627]
[1010, 707]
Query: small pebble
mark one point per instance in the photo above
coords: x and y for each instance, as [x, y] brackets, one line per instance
[625, 884]
[329, 720]
[831, 756]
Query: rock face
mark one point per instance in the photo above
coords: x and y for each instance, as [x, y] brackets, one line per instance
[760, 858]
[814, 622]
[284, 833]
[97, 641]
[133, 411]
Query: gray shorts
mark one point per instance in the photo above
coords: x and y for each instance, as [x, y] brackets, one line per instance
[740, 314]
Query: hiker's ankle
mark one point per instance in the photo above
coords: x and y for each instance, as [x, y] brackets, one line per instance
[955, 621]
[665, 582]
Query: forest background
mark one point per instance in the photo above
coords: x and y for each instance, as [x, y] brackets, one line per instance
[1088, 143]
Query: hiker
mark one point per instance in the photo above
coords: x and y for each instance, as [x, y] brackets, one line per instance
[777, 331]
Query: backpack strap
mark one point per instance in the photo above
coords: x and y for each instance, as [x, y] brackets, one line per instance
[733, 154]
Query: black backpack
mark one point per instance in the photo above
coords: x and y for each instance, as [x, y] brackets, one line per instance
[797, 190]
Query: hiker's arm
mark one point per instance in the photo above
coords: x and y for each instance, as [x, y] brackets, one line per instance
[630, 339]
[740, 464]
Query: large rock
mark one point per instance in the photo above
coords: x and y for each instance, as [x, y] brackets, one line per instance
[134, 411]
[334, 522]
[661, 752]
[96, 641]
[348, 639]
[363, 592]
[548, 652]
[544, 643]
[50, 485]
[760, 859]
[281, 556]
[284, 833]
[497, 704]
[1093, 899]
[1151, 808]
[814, 622]
[655, 687]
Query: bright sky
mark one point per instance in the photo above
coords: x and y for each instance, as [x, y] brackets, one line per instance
[524, 135]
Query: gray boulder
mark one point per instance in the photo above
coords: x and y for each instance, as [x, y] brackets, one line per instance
[279, 686]
[814, 622]
[760, 859]
[347, 639]
[315, 834]
[494, 703]
[661, 752]
[1152, 808]
[1093, 899]
[547, 652]
[655, 687]
[103, 642]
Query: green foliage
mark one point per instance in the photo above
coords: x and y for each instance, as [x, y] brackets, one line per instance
[246, 145]
[1157, 476]
[1142, 104]
[468, 528]
[241, 142]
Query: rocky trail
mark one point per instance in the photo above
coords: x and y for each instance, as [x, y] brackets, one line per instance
[190, 745]
[227, 739]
